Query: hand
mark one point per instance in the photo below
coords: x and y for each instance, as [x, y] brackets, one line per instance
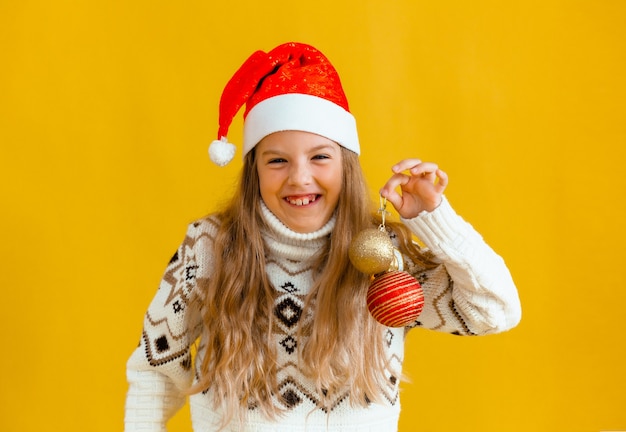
[421, 185]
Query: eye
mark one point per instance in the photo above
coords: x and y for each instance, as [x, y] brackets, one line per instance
[276, 161]
[321, 156]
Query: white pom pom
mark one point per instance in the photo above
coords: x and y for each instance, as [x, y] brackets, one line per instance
[221, 151]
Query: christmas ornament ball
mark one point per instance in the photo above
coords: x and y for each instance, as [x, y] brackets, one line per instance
[371, 251]
[395, 299]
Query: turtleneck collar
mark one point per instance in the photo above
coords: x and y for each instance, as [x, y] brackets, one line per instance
[286, 243]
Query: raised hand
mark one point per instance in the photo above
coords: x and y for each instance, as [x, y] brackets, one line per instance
[421, 187]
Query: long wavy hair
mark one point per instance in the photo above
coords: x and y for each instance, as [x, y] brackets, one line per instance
[342, 345]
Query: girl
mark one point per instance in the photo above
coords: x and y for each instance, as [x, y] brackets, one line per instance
[264, 293]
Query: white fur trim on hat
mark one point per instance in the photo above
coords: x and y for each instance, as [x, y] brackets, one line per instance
[301, 112]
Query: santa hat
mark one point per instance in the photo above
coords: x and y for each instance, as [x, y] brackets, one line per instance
[292, 87]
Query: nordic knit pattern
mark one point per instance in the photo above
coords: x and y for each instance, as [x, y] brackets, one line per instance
[469, 293]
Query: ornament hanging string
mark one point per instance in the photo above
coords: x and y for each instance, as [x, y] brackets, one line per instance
[383, 213]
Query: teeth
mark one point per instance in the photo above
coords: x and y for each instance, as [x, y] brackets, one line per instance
[302, 201]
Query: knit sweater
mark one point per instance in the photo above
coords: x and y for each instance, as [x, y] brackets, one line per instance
[470, 292]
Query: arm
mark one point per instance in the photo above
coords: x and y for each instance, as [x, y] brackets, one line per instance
[159, 371]
[471, 291]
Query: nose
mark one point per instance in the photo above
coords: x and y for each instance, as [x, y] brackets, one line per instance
[299, 174]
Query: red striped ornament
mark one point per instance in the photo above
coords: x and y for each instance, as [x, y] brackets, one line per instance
[395, 299]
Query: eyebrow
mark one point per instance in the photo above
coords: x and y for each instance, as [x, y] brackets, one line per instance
[311, 150]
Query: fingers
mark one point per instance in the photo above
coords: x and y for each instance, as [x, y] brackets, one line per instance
[416, 167]
[405, 165]
[425, 169]
[442, 181]
[408, 175]
[389, 189]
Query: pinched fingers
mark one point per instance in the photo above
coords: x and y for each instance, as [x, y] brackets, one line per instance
[389, 190]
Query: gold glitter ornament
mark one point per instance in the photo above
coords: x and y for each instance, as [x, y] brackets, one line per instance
[371, 251]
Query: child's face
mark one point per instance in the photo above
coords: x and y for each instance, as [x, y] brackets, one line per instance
[300, 176]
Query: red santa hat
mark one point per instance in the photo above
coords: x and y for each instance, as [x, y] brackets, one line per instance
[292, 87]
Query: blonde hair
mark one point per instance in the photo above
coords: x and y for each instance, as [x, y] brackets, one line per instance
[344, 344]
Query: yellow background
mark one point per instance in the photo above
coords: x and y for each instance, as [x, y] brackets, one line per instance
[106, 111]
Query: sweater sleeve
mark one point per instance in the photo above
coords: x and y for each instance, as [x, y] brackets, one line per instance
[159, 371]
[471, 291]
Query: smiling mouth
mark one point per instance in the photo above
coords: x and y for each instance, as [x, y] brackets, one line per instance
[301, 200]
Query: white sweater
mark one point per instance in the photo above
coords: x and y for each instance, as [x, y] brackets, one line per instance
[470, 293]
